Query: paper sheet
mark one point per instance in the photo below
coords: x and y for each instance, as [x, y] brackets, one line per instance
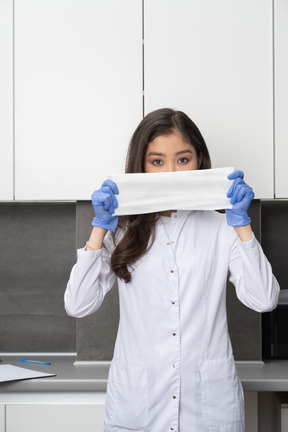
[180, 190]
[13, 373]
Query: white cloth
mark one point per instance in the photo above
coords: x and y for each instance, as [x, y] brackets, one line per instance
[180, 190]
[173, 363]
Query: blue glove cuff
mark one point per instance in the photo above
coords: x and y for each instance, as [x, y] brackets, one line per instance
[234, 219]
[109, 224]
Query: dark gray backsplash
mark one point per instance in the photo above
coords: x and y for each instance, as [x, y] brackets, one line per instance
[38, 251]
[275, 237]
[36, 255]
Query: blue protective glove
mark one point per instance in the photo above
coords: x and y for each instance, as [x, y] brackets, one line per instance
[241, 196]
[104, 203]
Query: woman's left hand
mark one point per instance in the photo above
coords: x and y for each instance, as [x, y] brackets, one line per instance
[241, 196]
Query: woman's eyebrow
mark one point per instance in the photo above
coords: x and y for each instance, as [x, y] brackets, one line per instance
[184, 151]
[155, 154]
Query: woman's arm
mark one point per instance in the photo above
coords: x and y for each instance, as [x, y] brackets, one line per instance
[95, 241]
[244, 232]
[250, 271]
[92, 277]
[251, 274]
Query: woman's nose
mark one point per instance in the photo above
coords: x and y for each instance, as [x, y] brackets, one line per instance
[171, 167]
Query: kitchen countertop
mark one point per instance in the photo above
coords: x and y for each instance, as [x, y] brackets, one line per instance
[73, 376]
[70, 376]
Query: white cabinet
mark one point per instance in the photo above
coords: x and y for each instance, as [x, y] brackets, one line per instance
[56, 418]
[214, 61]
[281, 97]
[6, 100]
[78, 93]
[69, 417]
[71, 82]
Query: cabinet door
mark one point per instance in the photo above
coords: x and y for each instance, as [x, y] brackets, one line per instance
[78, 93]
[6, 100]
[281, 97]
[213, 60]
[56, 418]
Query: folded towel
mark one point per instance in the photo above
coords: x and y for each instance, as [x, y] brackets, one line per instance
[180, 190]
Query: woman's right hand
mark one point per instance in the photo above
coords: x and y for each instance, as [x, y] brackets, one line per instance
[104, 203]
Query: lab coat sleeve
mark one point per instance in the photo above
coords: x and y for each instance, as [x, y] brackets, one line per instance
[251, 274]
[90, 279]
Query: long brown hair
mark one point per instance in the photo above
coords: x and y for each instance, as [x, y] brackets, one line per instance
[140, 229]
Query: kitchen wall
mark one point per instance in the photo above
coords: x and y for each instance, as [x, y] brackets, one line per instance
[38, 249]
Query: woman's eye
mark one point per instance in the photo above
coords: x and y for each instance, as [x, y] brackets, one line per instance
[157, 162]
[183, 160]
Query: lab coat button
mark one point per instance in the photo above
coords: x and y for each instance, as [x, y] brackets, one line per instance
[174, 365]
[174, 334]
[171, 271]
[173, 302]
[171, 428]
[174, 397]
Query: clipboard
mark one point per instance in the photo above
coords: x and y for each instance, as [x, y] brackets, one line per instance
[14, 373]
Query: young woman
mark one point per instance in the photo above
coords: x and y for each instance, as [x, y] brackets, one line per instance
[173, 366]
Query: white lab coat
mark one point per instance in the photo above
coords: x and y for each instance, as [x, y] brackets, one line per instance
[173, 366]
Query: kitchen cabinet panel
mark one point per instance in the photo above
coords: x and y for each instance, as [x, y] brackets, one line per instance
[31, 417]
[251, 409]
[56, 418]
[214, 61]
[78, 93]
[281, 98]
[6, 100]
